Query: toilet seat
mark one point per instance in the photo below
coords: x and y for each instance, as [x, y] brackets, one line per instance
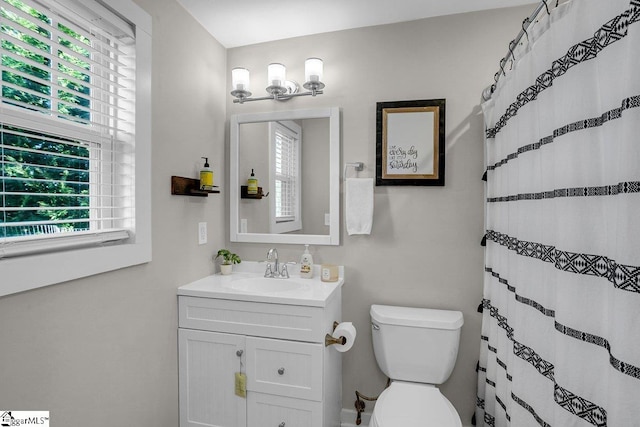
[413, 405]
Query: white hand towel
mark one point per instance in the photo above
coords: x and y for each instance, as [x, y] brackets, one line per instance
[359, 205]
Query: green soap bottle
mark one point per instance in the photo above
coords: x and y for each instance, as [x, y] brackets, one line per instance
[206, 176]
[252, 184]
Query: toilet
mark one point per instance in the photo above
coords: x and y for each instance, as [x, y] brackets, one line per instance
[417, 349]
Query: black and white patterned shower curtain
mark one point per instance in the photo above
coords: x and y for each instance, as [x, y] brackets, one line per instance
[560, 341]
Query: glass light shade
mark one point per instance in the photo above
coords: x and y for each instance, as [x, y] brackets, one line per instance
[313, 68]
[240, 79]
[276, 74]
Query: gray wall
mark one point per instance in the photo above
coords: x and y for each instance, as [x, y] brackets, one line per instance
[103, 348]
[254, 154]
[315, 175]
[102, 351]
[424, 249]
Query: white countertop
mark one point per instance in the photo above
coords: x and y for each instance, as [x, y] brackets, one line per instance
[307, 292]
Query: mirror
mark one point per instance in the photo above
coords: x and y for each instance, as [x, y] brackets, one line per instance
[295, 155]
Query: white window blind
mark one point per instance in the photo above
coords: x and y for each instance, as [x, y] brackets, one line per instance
[286, 174]
[66, 127]
[286, 145]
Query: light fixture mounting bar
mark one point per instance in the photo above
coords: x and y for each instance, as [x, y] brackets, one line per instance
[278, 97]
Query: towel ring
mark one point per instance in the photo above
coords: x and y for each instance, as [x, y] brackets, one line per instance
[358, 166]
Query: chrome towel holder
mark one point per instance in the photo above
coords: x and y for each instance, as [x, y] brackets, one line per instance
[358, 166]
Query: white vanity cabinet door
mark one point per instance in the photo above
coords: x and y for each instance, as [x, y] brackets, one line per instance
[208, 362]
[266, 410]
[292, 379]
[285, 368]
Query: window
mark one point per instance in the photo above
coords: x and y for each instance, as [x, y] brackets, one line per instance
[285, 143]
[74, 139]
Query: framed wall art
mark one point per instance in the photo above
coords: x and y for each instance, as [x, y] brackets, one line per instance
[410, 144]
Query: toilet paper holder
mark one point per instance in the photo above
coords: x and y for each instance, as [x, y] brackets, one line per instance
[330, 340]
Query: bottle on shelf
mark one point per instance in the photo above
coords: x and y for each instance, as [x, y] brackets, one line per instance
[206, 176]
[252, 184]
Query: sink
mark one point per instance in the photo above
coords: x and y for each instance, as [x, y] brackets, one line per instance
[247, 283]
[265, 285]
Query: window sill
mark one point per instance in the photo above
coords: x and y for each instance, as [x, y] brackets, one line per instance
[35, 271]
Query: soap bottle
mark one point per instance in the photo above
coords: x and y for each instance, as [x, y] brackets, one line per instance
[306, 264]
[206, 176]
[252, 184]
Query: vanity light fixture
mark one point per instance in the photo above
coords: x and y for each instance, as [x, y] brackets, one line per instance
[278, 88]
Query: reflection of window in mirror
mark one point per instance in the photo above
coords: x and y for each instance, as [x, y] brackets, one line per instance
[285, 141]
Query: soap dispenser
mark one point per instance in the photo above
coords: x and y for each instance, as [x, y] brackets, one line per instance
[206, 176]
[252, 184]
[306, 264]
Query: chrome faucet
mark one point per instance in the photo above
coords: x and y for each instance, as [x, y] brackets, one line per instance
[274, 271]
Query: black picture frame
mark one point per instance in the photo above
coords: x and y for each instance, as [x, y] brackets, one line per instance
[410, 142]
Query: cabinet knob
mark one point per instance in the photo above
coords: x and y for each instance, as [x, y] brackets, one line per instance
[281, 372]
[239, 353]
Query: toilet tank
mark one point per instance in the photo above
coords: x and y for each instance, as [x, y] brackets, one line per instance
[415, 344]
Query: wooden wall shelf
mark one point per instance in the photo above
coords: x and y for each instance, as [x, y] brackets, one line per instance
[189, 187]
[244, 193]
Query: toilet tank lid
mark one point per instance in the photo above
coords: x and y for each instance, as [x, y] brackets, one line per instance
[417, 317]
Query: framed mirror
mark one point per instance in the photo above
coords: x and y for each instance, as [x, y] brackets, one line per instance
[295, 156]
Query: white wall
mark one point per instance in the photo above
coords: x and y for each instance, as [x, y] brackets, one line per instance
[102, 351]
[424, 249]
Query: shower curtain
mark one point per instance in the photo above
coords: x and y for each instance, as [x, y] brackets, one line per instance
[560, 343]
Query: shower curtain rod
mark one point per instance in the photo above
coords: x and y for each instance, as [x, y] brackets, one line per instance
[529, 21]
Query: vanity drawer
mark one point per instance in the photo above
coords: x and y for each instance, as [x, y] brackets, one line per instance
[292, 322]
[266, 410]
[285, 368]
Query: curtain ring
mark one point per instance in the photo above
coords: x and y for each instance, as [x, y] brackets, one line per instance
[502, 64]
[546, 7]
[512, 44]
[525, 22]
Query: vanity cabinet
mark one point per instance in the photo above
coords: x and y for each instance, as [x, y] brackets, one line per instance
[292, 378]
[207, 362]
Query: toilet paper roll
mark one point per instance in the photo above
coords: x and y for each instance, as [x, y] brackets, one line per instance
[347, 330]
